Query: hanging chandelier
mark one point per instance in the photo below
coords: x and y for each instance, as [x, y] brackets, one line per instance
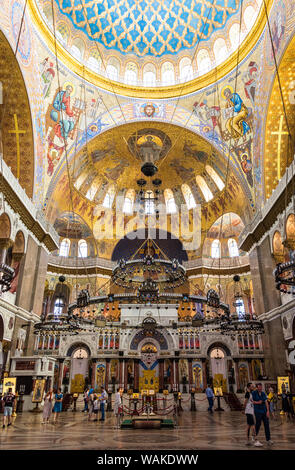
[6, 277]
[284, 274]
[237, 325]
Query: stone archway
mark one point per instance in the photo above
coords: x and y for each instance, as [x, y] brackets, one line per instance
[78, 372]
[220, 365]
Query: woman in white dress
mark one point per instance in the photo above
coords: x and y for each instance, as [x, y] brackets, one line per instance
[47, 408]
[118, 406]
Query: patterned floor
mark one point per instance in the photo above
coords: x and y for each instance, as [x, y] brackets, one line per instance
[196, 431]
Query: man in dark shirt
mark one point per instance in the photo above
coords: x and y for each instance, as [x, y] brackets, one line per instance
[261, 411]
[8, 407]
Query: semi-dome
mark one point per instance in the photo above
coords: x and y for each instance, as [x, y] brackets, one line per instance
[150, 42]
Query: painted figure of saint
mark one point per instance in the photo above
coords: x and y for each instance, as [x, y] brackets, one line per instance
[62, 112]
[246, 165]
[236, 125]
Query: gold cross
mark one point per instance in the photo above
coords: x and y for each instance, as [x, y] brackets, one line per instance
[279, 133]
[17, 132]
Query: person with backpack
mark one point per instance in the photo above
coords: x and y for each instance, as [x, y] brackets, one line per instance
[8, 407]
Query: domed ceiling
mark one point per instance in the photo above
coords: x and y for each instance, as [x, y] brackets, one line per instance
[149, 27]
[189, 167]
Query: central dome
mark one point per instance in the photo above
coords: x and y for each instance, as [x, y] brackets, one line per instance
[149, 27]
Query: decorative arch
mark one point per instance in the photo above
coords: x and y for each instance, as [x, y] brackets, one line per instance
[219, 345]
[279, 153]
[19, 243]
[76, 346]
[140, 336]
[1, 328]
[13, 85]
[5, 226]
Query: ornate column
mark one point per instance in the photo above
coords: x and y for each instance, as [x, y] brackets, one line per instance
[136, 375]
[120, 372]
[107, 374]
[172, 374]
[237, 374]
[250, 369]
[204, 373]
[125, 374]
[190, 374]
[93, 375]
[176, 361]
[161, 375]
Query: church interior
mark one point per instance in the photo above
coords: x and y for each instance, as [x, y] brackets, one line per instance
[147, 217]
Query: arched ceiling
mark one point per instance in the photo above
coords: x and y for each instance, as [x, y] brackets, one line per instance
[279, 147]
[149, 27]
[150, 33]
[16, 135]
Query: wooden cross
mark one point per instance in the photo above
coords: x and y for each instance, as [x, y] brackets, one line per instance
[279, 133]
[17, 133]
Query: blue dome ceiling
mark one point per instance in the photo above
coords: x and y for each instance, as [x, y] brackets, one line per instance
[149, 27]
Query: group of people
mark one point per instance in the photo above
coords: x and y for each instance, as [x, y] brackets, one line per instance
[257, 410]
[49, 408]
[93, 402]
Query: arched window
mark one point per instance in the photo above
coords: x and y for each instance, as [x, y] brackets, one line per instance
[240, 308]
[92, 191]
[204, 188]
[249, 17]
[82, 249]
[149, 75]
[168, 77]
[109, 198]
[62, 32]
[220, 50]
[58, 306]
[149, 203]
[93, 63]
[131, 74]
[113, 68]
[112, 72]
[203, 61]
[128, 202]
[216, 178]
[76, 52]
[235, 35]
[171, 207]
[233, 248]
[64, 248]
[215, 249]
[188, 196]
[185, 69]
[80, 180]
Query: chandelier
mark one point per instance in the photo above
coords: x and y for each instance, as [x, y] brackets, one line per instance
[285, 275]
[237, 325]
[6, 277]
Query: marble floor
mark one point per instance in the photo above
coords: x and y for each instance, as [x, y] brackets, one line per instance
[196, 431]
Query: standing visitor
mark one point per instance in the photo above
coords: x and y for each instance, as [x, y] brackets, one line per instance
[57, 405]
[285, 403]
[47, 408]
[210, 398]
[118, 406]
[91, 399]
[249, 412]
[95, 406]
[270, 399]
[85, 398]
[261, 411]
[8, 407]
[103, 398]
